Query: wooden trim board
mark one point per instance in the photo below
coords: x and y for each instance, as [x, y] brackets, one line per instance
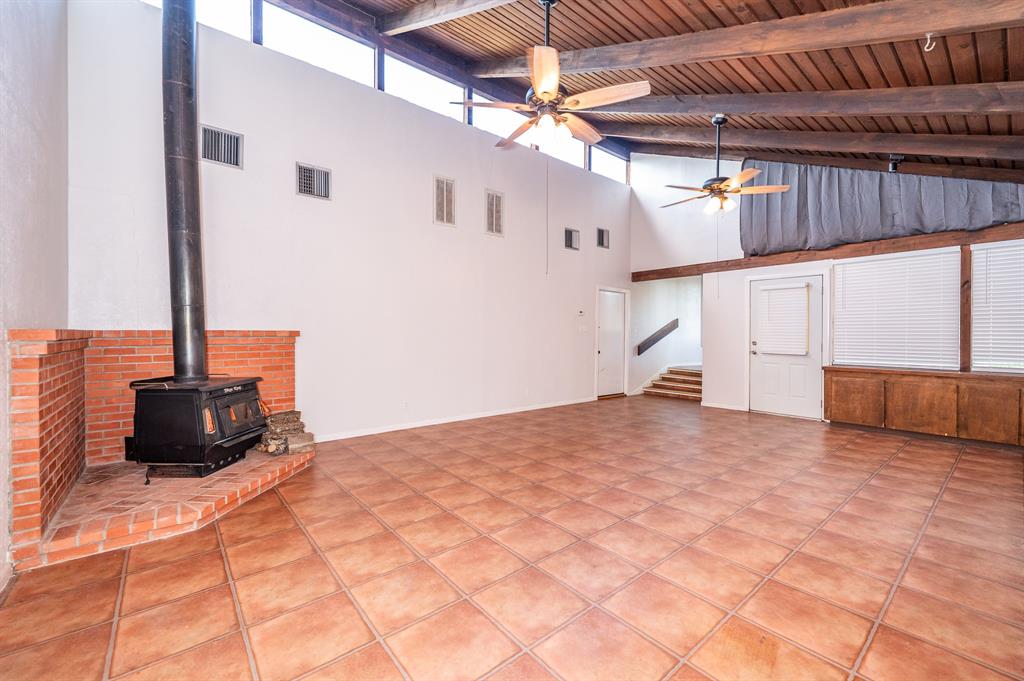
[1012, 230]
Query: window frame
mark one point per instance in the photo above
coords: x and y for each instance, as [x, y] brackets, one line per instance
[572, 239]
[500, 196]
[975, 327]
[953, 254]
[447, 181]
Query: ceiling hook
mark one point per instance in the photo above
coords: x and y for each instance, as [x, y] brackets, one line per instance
[929, 44]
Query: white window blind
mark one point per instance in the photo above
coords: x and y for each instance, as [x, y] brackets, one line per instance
[783, 325]
[898, 311]
[997, 306]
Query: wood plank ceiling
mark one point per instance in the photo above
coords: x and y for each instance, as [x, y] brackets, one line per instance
[983, 57]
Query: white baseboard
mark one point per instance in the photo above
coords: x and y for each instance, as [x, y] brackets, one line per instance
[715, 405]
[448, 419]
[6, 572]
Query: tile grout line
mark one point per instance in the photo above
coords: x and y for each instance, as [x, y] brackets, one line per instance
[242, 626]
[903, 570]
[108, 658]
[464, 597]
[765, 577]
[343, 588]
[596, 604]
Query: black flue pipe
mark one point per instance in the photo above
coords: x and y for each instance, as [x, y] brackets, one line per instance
[181, 178]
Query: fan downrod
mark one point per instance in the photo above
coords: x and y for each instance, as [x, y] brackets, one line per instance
[547, 5]
[718, 120]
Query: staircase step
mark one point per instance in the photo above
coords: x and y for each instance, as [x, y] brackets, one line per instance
[676, 378]
[671, 393]
[685, 371]
[676, 387]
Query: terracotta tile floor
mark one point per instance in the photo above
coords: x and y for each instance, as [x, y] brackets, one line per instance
[625, 539]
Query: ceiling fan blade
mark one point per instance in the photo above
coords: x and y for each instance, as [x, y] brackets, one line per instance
[692, 198]
[508, 141]
[580, 129]
[607, 95]
[496, 105]
[682, 186]
[761, 189]
[544, 72]
[741, 177]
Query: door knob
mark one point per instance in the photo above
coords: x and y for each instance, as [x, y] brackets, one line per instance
[753, 352]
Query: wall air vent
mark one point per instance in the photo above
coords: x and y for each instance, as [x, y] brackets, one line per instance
[495, 213]
[221, 146]
[604, 238]
[444, 201]
[572, 239]
[312, 181]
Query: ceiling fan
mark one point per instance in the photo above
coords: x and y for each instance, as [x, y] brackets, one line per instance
[550, 103]
[718, 189]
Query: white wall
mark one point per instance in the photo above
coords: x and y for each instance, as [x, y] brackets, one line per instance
[33, 191]
[679, 235]
[682, 235]
[725, 312]
[667, 237]
[654, 304]
[402, 321]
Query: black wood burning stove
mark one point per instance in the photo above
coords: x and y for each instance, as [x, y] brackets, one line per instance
[189, 424]
[196, 428]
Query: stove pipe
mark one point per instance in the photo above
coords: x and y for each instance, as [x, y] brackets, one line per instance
[181, 178]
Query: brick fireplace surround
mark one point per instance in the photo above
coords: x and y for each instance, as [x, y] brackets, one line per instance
[71, 407]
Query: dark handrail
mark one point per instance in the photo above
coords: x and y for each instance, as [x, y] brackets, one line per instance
[650, 341]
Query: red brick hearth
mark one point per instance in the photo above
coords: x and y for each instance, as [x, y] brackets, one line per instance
[71, 407]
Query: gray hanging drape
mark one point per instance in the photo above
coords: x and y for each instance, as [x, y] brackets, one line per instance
[828, 206]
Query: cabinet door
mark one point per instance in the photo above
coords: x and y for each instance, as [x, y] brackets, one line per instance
[989, 411]
[855, 399]
[921, 405]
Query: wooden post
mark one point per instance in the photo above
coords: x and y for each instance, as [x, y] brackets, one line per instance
[965, 307]
[256, 14]
[378, 70]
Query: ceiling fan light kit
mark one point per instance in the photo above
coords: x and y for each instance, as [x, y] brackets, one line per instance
[551, 105]
[718, 188]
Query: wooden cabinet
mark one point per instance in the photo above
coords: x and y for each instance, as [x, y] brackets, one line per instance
[989, 412]
[855, 399]
[921, 405]
[974, 406]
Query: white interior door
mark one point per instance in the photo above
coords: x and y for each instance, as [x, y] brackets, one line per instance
[785, 346]
[611, 343]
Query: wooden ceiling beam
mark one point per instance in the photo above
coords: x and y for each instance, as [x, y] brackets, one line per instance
[430, 12]
[902, 244]
[1009, 147]
[980, 98]
[879, 22]
[906, 167]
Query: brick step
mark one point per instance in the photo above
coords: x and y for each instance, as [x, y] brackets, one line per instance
[676, 387]
[671, 393]
[684, 380]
